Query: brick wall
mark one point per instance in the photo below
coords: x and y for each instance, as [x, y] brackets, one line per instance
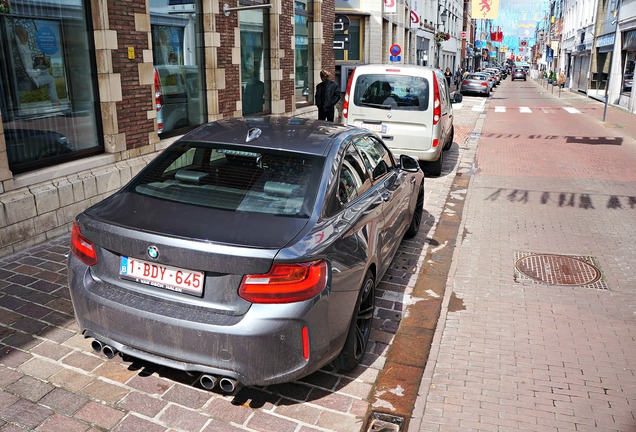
[228, 96]
[137, 99]
[327, 51]
[287, 36]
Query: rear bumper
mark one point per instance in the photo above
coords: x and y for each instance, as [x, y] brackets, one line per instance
[429, 155]
[263, 346]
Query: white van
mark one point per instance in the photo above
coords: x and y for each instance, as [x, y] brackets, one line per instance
[409, 107]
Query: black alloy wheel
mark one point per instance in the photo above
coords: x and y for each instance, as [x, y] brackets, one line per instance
[359, 328]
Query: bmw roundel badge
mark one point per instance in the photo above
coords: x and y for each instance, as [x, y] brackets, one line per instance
[153, 252]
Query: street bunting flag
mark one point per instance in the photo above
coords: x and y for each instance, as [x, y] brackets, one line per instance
[390, 6]
[415, 14]
[485, 9]
[496, 36]
[415, 19]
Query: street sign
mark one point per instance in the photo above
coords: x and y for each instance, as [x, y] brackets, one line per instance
[395, 50]
[463, 35]
[395, 58]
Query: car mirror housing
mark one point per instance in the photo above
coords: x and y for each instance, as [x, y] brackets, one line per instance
[408, 163]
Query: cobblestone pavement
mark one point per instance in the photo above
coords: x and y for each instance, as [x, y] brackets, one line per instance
[51, 380]
[513, 353]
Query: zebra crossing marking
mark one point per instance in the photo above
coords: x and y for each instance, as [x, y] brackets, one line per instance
[480, 106]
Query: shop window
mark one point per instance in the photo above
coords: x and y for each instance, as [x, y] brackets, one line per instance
[303, 52]
[47, 85]
[255, 65]
[628, 72]
[178, 65]
[354, 50]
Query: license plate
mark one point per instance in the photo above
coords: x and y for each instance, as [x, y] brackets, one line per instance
[161, 276]
[379, 128]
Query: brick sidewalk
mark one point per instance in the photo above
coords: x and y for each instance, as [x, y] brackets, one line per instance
[512, 354]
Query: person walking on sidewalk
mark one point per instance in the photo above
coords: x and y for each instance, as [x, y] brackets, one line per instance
[561, 79]
[458, 78]
[448, 74]
[327, 96]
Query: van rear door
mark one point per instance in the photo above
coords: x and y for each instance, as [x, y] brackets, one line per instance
[395, 106]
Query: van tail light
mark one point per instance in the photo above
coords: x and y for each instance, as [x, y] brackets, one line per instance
[82, 248]
[437, 103]
[435, 142]
[158, 97]
[345, 103]
[285, 283]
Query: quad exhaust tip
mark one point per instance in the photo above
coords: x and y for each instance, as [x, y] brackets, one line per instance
[208, 382]
[107, 350]
[227, 385]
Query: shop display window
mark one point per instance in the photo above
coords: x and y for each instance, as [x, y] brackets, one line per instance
[303, 52]
[48, 105]
[178, 65]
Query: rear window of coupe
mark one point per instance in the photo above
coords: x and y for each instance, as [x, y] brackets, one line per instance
[401, 92]
[233, 179]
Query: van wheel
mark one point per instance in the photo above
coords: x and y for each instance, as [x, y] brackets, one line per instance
[359, 328]
[435, 168]
[449, 141]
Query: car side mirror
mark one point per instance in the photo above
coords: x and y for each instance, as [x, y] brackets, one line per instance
[457, 98]
[408, 163]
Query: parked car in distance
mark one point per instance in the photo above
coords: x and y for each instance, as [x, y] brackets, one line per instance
[518, 73]
[496, 74]
[410, 107]
[248, 251]
[475, 83]
[491, 78]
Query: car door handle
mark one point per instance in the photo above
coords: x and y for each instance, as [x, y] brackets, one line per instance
[412, 180]
[387, 137]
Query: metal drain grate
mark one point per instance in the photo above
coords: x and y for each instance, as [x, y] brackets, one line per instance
[381, 422]
[561, 270]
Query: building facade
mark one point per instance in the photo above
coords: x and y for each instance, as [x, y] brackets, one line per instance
[90, 91]
[598, 49]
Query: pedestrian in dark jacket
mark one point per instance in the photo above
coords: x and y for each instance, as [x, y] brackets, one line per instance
[327, 96]
[459, 75]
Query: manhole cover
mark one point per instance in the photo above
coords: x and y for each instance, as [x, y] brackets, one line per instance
[558, 269]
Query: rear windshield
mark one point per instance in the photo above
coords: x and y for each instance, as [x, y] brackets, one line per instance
[236, 179]
[477, 77]
[401, 92]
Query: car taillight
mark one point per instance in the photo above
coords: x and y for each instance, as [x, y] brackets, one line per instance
[82, 248]
[437, 104]
[345, 103]
[484, 84]
[158, 97]
[285, 283]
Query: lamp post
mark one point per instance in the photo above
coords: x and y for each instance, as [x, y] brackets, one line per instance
[609, 75]
[443, 16]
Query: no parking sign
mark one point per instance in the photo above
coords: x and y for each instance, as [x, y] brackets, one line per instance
[395, 51]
